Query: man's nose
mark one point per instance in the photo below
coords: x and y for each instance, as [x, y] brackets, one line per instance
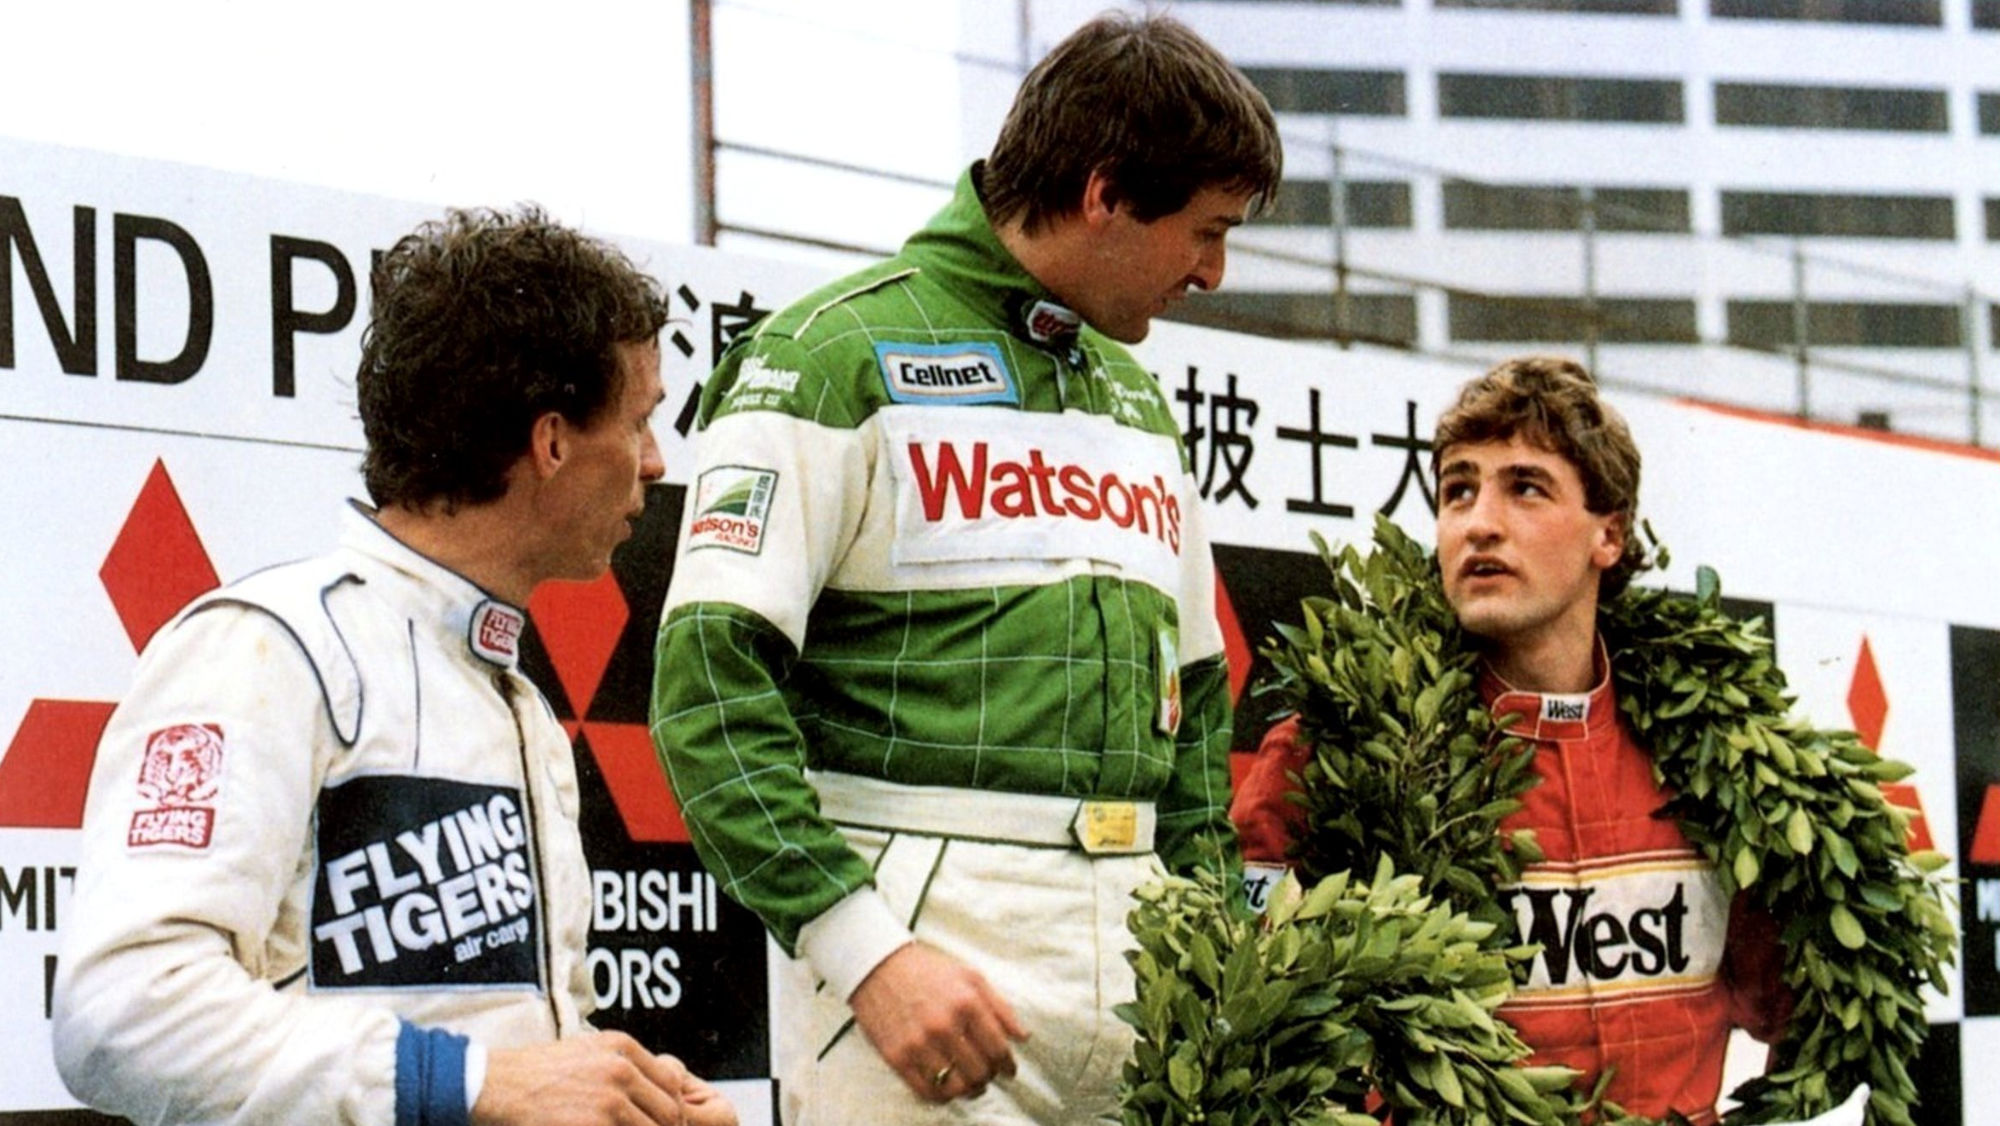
[652, 463]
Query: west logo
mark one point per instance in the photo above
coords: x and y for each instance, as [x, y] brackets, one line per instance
[1628, 928]
[965, 480]
[969, 372]
[1566, 709]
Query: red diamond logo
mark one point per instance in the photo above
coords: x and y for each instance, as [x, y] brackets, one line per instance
[1866, 701]
[157, 564]
[46, 773]
[638, 783]
[579, 624]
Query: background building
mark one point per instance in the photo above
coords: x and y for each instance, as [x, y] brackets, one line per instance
[1792, 205]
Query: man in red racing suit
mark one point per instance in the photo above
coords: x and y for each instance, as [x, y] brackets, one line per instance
[1644, 965]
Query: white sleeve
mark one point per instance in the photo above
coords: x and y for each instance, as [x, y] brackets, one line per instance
[196, 840]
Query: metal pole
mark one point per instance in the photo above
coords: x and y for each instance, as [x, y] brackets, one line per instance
[1024, 37]
[1801, 323]
[1588, 222]
[1974, 393]
[701, 75]
[1336, 190]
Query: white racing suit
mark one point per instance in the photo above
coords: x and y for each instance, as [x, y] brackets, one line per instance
[331, 841]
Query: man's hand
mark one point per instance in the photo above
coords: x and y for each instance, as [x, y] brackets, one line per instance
[937, 1023]
[606, 1077]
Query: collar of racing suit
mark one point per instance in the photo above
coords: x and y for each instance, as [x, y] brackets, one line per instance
[1553, 716]
[960, 242]
[491, 628]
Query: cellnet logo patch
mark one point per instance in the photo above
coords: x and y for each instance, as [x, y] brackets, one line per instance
[424, 882]
[967, 372]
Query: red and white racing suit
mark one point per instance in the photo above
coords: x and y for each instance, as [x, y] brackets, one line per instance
[1645, 965]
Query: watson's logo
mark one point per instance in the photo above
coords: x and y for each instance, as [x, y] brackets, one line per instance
[967, 483]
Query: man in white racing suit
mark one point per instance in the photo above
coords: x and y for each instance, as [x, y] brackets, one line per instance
[331, 869]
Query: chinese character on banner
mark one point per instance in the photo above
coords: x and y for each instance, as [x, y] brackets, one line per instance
[725, 320]
[1318, 440]
[1414, 449]
[1230, 446]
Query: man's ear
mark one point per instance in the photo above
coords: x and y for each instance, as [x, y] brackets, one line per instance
[1100, 198]
[1610, 546]
[548, 444]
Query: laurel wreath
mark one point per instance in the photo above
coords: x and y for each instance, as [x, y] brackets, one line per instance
[1409, 779]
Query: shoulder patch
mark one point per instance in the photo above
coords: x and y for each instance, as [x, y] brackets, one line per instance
[732, 504]
[180, 776]
[968, 371]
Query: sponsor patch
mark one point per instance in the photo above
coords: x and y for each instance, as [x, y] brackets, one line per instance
[1169, 718]
[759, 386]
[1634, 924]
[966, 372]
[181, 776]
[1259, 881]
[975, 486]
[495, 632]
[1046, 322]
[732, 504]
[1565, 708]
[424, 882]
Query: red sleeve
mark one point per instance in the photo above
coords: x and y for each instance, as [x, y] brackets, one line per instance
[1753, 962]
[1266, 820]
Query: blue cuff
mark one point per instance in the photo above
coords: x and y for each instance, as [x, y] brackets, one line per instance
[430, 1077]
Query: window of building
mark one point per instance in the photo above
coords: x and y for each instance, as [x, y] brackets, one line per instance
[1382, 318]
[1831, 107]
[1490, 207]
[1989, 113]
[1544, 98]
[1620, 320]
[1373, 93]
[1607, 7]
[1370, 203]
[1992, 219]
[1923, 13]
[1986, 14]
[1768, 324]
[1847, 216]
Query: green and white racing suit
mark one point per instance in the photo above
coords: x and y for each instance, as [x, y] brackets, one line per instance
[939, 539]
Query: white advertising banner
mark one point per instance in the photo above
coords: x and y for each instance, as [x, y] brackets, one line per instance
[177, 349]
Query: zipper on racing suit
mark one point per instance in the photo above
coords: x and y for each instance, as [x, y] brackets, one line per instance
[542, 920]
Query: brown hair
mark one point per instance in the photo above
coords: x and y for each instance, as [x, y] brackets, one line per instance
[1146, 101]
[1552, 403]
[482, 322]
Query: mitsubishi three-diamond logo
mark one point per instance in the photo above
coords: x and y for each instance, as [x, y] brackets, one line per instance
[157, 564]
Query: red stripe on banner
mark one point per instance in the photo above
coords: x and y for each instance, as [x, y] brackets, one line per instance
[46, 774]
[1904, 796]
[1986, 836]
[579, 623]
[638, 783]
[1234, 647]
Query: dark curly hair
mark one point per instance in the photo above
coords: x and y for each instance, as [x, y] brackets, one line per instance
[1147, 101]
[1552, 403]
[482, 322]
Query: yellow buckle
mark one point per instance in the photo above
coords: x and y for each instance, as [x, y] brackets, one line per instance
[1107, 826]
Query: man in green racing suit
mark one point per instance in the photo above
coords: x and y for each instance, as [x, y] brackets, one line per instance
[939, 680]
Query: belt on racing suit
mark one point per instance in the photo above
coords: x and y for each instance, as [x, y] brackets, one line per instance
[1098, 826]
